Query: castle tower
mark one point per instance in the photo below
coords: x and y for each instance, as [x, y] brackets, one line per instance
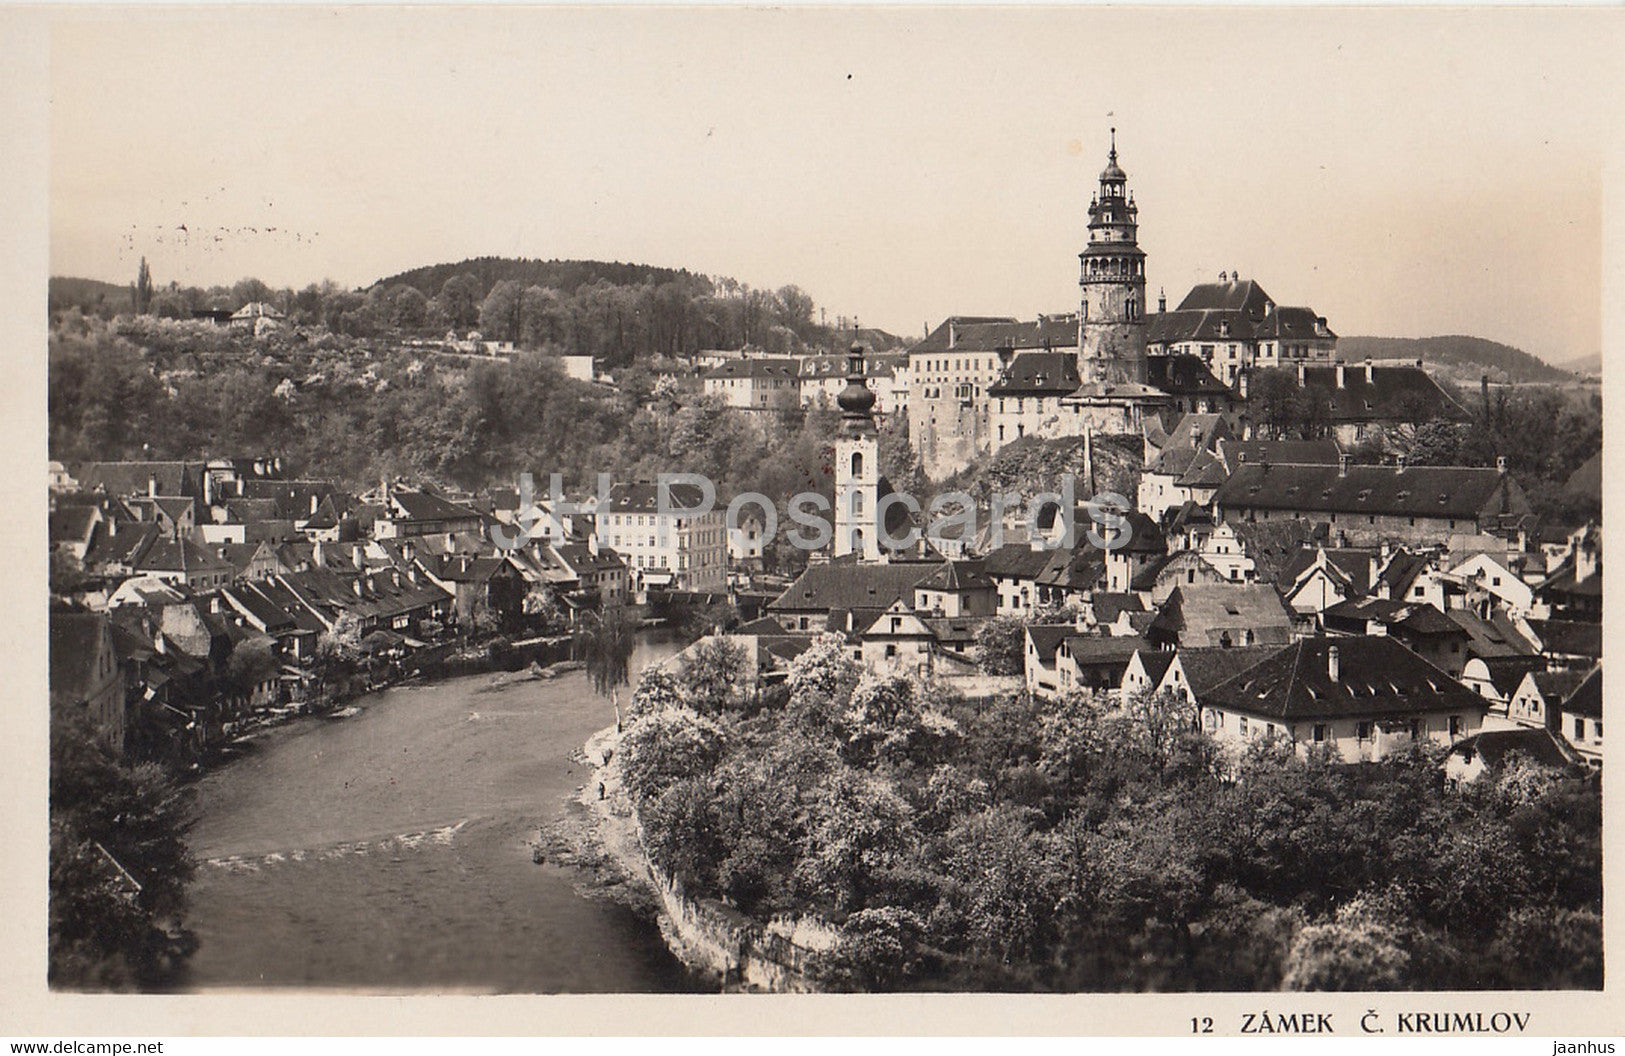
[857, 468]
[1111, 326]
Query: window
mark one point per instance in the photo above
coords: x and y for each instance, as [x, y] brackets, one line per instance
[1242, 725]
[1579, 728]
[1320, 733]
[1455, 726]
[857, 464]
[1362, 731]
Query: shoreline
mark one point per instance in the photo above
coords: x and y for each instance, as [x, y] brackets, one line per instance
[614, 832]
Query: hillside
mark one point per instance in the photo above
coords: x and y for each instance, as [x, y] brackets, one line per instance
[565, 275]
[1462, 357]
[89, 295]
[1031, 465]
[1585, 365]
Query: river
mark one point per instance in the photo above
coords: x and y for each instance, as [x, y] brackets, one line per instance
[389, 851]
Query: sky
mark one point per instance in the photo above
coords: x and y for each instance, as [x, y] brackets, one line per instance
[1404, 173]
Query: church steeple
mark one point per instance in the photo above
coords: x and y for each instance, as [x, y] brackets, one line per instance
[857, 466]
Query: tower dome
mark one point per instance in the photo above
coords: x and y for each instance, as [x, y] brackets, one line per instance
[857, 401]
[1112, 171]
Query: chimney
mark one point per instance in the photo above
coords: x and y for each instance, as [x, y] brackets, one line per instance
[318, 555]
[951, 334]
[592, 543]
[1241, 384]
[1343, 464]
[1162, 300]
[1303, 375]
[395, 577]
[1196, 434]
[152, 487]
[1340, 375]
[1368, 370]
[356, 586]
[1332, 668]
[1399, 463]
[314, 502]
[1501, 464]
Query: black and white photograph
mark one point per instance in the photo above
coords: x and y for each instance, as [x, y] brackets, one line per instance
[821, 500]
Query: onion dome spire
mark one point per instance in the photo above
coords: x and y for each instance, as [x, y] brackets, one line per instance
[857, 401]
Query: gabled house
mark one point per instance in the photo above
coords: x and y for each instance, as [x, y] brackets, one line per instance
[1223, 614]
[1093, 662]
[898, 641]
[956, 588]
[1071, 575]
[1501, 588]
[1539, 697]
[1497, 678]
[184, 563]
[1145, 671]
[1041, 642]
[598, 571]
[1361, 697]
[1193, 671]
[1183, 568]
[479, 584]
[1138, 543]
[1185, 452]
[1316, 579]
[1579, 719]
[841, 587]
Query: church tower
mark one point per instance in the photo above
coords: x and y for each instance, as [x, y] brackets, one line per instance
[1111, 325]
[857, 468]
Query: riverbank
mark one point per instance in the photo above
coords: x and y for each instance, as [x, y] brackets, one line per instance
[713, 940]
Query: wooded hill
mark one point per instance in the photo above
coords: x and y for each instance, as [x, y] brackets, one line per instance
[1463, 357]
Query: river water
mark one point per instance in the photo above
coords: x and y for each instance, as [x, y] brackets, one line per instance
[388, 851]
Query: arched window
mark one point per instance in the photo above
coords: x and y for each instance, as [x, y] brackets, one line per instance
[857, 540]
[857, 465]
[857, 502]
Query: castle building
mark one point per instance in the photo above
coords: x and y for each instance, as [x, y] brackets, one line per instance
[1233, 325]
[978, 383]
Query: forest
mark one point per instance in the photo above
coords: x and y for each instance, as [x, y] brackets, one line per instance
[1083, 846]
[618, 313]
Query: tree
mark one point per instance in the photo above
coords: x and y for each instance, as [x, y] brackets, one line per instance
[500, 313]
[119, 867]
[666, 746]
[1364, 948]
[603, 641]
[1001, 645]
[713, 675]
[142, 294]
